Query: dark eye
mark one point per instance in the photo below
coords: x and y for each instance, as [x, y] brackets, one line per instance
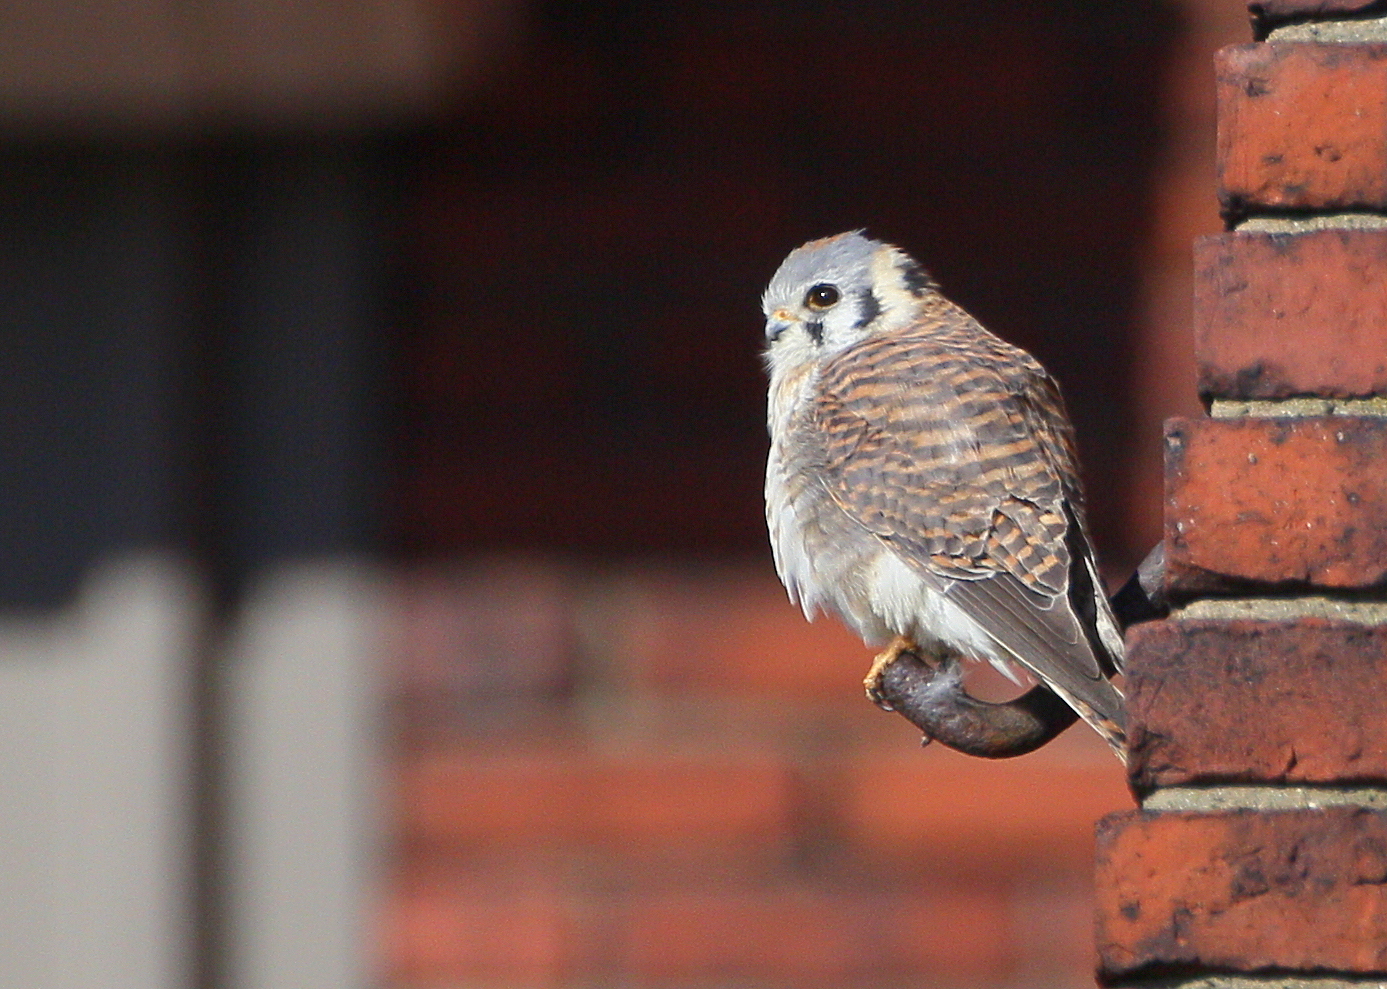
[821, 297]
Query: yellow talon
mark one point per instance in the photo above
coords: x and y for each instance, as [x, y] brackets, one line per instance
[885, 658]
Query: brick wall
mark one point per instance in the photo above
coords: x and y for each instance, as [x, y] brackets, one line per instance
[1257, 709]
[664, 778]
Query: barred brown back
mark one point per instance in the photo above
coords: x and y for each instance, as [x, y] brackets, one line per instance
[953, 445]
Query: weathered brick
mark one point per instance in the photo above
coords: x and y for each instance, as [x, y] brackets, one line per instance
[1291, 503]
[1242, 891]
[1279, 315]
[1256, 702]
[1302, 126]
[472, 797]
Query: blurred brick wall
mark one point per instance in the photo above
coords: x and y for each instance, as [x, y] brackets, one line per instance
[662, 777]
[657, 774]
[612, 772]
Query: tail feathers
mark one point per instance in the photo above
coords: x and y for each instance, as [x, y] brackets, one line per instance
[1109, 721]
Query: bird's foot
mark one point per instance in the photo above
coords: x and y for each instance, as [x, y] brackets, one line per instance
[872, 681]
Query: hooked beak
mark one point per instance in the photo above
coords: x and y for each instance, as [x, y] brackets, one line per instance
[777, 323]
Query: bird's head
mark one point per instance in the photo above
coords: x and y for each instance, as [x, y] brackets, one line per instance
[831, 293]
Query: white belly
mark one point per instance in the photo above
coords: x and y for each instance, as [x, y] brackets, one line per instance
[828, 562]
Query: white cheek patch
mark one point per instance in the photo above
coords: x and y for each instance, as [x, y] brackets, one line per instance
[899, 305]
[789, 354]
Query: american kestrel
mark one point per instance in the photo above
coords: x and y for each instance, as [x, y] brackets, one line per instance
[922, 481]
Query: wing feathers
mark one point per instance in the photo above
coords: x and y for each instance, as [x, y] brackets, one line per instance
[953, 448]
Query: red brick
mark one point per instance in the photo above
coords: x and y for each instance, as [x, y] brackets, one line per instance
[735, 635]
[1241, 891]
[1302, 126]
[1277, 315]
[1256, 702]
[436, 934]
[811, 937]
[1293, 503]
[470, 798]
[953, 812]
[541, 930]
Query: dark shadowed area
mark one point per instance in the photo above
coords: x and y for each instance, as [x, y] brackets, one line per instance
[596, 225]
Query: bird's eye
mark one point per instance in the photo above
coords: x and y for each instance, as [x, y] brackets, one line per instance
[821, 297]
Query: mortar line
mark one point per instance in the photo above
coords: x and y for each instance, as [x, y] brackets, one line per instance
[1251, 796]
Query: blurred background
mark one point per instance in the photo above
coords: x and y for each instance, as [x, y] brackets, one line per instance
[386, 597]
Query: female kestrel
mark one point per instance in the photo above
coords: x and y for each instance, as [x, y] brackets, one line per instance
[922, 481]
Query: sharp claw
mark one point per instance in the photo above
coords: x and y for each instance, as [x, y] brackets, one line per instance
[874, 695]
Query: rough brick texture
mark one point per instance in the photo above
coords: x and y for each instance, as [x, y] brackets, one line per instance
[1256, 702]
[1280, 315]
[1243, 890]
[1290, 503]
[1302, 126]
